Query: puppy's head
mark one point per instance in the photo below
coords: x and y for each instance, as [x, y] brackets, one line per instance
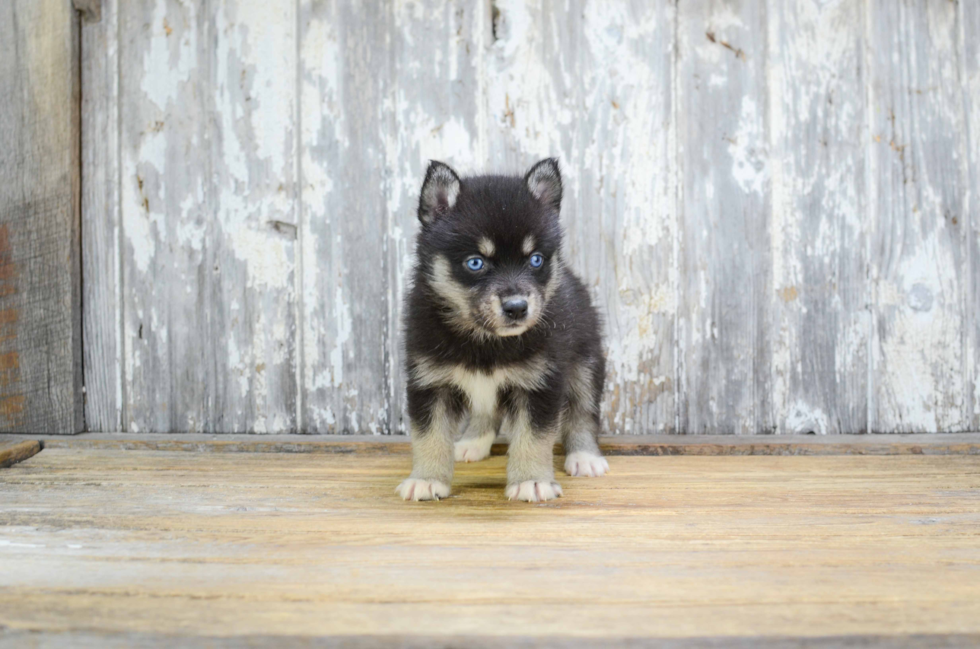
[489, 248]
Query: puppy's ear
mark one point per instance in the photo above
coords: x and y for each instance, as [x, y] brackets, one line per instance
[440, 189]
[544, 182]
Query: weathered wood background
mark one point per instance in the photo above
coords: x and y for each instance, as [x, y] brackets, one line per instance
[773, 201]
[40, 278]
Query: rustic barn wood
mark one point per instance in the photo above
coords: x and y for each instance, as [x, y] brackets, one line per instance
[772, 203]
[818, 315]
[344, 105]
[40, 273]
[155, 545]
[168, 222]
[102, 294]
[724, 268]
[969, 23]
[920, 260]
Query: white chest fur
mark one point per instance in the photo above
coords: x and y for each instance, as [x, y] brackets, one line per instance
[482, 388]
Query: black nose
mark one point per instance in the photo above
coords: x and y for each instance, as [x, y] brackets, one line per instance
[515, 308]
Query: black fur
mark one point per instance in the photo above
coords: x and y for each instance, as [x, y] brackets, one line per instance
[567, 333]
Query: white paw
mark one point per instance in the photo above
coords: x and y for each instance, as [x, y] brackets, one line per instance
[533, 491]
[415, 489]
[473, 449]
[584, 464]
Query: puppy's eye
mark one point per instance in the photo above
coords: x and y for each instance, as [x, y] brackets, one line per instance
[474, 263]
[536, 260]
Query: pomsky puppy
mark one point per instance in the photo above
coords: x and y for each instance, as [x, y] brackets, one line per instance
[499, 329]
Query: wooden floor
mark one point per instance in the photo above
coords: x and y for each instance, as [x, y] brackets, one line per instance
[101, 547]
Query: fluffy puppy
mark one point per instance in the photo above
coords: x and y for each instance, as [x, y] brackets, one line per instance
[500, 335]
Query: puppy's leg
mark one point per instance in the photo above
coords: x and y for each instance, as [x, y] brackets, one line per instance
[530, 467]
[580, 426]
[434, 418]
[478, 438]
[582, 455]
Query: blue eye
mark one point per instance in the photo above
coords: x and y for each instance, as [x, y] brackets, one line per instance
[474, 264]
[536, 260]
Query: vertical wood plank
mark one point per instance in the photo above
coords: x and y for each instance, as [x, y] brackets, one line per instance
[40, 268]
[435, 99]
[165, 53]
[591, 84]
[819, 321]
[724, 255]
[623, 232]
[343, 81]
[251, 257]
[101, 273]
[969, 28]
[530, 85]
[919, 254]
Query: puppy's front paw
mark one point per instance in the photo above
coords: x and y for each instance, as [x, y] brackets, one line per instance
[473, 449]
[585, 464]
[416, 489]
[533, 491]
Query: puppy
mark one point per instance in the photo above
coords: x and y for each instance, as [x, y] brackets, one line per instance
[499, 330]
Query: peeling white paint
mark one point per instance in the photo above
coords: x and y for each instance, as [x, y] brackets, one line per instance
[750, 158]
[265, 256]
[227, 154]
[343, 323]
[171, 56]
[802, 419]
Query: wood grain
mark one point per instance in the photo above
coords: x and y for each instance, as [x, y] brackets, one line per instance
[40, 274]
[969, 25]
[818, 299]
[102, 277]
[343, 232]
[677, 547]
[724, 343]
[167, 196]
[251, 259]
[920, 253]
[103, 639]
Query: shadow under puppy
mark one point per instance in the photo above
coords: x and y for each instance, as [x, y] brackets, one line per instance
[498, 328]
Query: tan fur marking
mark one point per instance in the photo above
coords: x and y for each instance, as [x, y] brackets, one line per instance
[452, 293]
[529, 243]
[486, 247]
[580, 385]
[557, 270]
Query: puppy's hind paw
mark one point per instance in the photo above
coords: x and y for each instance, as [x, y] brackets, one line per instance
[583, 464]
[533, 491]
[416, 489]
[473, 449]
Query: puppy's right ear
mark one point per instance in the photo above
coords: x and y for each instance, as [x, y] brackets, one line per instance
[440, 189]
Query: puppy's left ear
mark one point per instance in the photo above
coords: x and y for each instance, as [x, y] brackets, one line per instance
[440, 189]
[544, 182]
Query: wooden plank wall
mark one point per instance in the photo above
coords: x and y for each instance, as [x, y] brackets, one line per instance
[773, 203]
[40, 274]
